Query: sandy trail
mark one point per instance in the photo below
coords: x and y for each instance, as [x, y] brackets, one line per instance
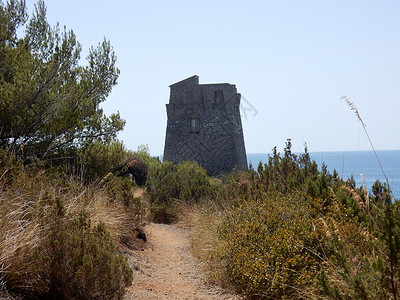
[166, 269]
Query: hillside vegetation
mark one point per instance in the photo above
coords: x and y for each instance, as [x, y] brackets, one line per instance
[65, 214]
[286, 229]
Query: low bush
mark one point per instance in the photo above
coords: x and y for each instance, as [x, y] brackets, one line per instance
[271, 247]
[79, 261]
[60, 238]
[97, 159]
[169, 183]
[291, 230]
[363, 260]
[121, 193]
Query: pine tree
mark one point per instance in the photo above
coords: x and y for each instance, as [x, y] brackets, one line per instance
[48, 102]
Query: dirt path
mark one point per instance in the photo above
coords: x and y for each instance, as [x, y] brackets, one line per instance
[166, 269]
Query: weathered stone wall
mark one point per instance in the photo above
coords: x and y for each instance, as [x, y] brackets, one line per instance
[204, 125]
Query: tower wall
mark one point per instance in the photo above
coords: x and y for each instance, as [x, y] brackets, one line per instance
[204, 125]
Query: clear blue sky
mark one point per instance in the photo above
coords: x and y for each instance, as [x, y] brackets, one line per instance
[291, 61]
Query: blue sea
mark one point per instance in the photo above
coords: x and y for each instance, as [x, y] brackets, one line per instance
[354, 163]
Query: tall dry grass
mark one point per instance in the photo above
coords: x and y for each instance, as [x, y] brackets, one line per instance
[357, 113]
[29, 201]
[20, 234]
[203, 220]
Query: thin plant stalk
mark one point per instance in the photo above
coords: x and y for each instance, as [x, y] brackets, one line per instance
[354, 108]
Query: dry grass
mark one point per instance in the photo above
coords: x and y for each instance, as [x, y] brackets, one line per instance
[96, 204]
[20, 234]
[354, 108]
[27, 203]
[204, 219]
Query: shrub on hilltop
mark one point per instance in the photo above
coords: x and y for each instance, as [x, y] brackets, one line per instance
[60, 238]
[291, 230]
[169, 183]
[270, 247]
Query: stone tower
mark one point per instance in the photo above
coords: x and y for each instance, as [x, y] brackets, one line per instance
[204, 125]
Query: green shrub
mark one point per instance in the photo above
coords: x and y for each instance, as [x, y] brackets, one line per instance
[80, 261]
[98, 158]
[10, 167]
[58, 238]
[270, 247]
[312, 236]
[363, 260]
[122, 190]
[143, 153]
[167, 182]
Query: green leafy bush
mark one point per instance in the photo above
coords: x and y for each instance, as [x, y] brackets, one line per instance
[167, 183]
[97, 159]
[363, 260]
[290, 230]
[271, 247]
[79, 260]
[122, 190]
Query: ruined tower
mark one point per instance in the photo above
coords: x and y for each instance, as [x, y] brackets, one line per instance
[204, 125]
